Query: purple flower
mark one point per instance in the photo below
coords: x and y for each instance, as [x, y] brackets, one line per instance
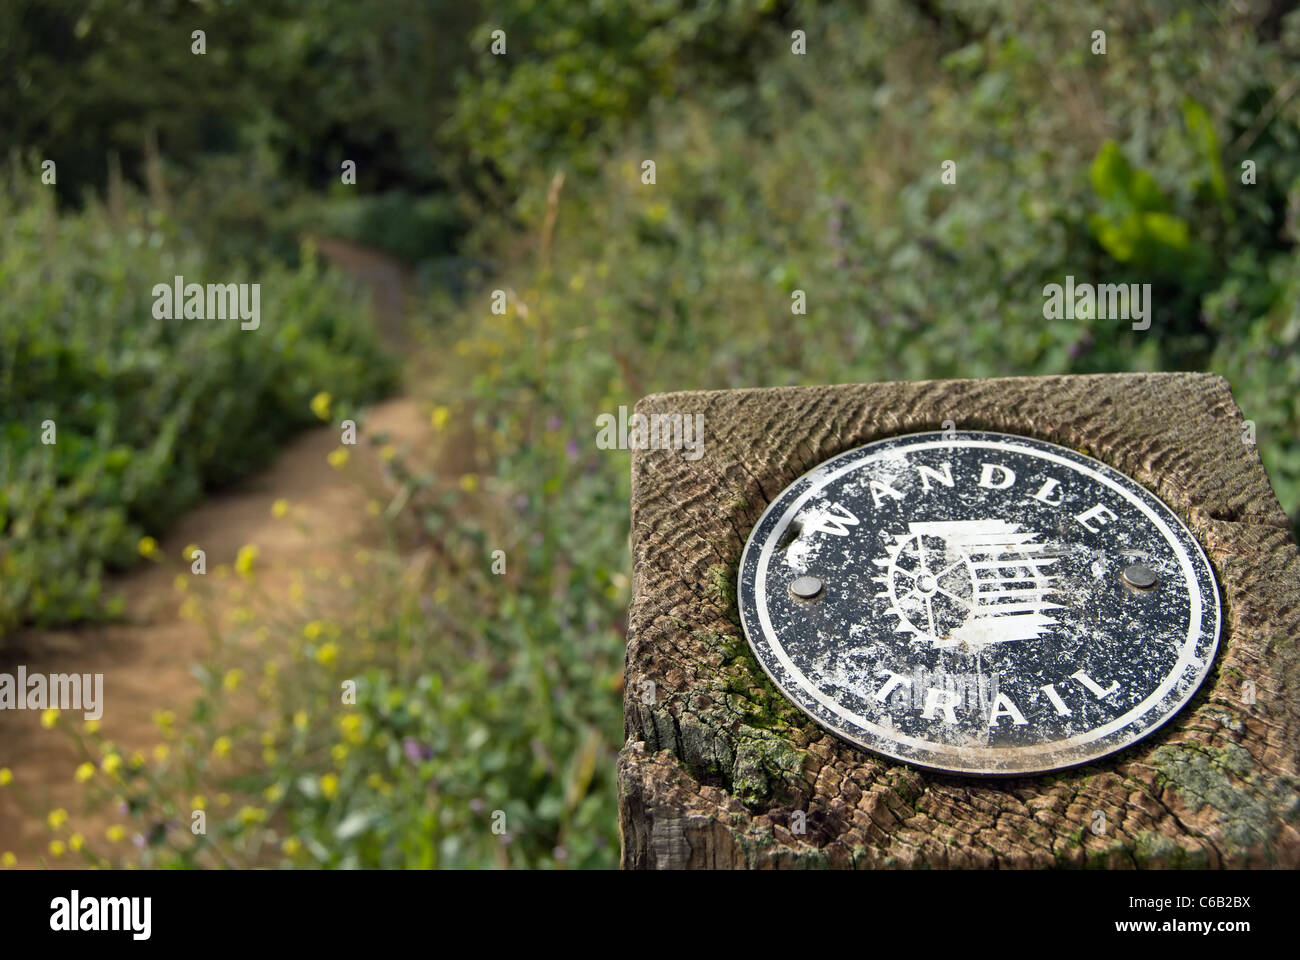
[571, 448]
[415, 750]
[1080, 346]
[553, 423]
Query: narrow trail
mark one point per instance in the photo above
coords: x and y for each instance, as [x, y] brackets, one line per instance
[147, 658]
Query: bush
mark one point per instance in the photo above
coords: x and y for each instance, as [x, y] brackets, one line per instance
[147, 413]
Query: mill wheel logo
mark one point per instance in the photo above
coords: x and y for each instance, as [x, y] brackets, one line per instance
[967, 583]
[978, 603]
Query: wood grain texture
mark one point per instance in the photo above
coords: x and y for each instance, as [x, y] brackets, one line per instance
[716, 761]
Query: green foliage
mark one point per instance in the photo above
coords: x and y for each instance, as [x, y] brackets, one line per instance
[1201, 130]
[576, 75]
[149, 412]
[487, 708]
[411, 228]
[777, 174]
[1136, 227]
[1257, 312]
[249, 133]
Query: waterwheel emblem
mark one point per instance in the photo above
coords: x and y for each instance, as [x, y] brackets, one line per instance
[978, 602]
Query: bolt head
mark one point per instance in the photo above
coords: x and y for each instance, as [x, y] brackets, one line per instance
[805, 588]
[1140, 577]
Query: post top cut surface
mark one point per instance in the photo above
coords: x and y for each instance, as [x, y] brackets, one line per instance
[978, 607]
[722, 769]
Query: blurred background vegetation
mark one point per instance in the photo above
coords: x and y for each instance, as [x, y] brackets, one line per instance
[776, 172]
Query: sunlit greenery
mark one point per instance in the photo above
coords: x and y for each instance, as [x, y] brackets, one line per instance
[480, 692]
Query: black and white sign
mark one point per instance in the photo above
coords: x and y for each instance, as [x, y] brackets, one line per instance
[978, 603]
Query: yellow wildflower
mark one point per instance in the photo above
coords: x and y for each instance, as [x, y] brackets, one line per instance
[329, 785]
[85, 772]
[350, 725]
[439, 417]
[49, 718]
[469, 483]
[116, 833]
[245, 559]
[76, 842]
[6, 776]
[90, 728]
[338, 458]
[57, 818]
[161, 752]
[232, 679]
[328, 654]
[300, 719]
[148, 546]
[320, 405]
[291, 845]
[191, 608]
[57, 848]
[280, 508]
[7, 859]
[111, 763]
[221, 747]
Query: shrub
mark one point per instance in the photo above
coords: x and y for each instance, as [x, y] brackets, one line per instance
[147, 412]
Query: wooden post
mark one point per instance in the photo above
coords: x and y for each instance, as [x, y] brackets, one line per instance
[719, 769]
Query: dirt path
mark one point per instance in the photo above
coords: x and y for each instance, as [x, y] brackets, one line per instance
[146, 660]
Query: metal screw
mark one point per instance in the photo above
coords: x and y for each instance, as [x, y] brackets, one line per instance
[1139, 577]
[805, 588]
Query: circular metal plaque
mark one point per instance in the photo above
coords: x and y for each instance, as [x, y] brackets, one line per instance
[978, 603]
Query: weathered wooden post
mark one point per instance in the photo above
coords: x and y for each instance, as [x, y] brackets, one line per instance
[1025, 658]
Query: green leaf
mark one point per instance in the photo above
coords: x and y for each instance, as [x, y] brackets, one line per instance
[1122, 185]
[1166, 230]
[1206, 142]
